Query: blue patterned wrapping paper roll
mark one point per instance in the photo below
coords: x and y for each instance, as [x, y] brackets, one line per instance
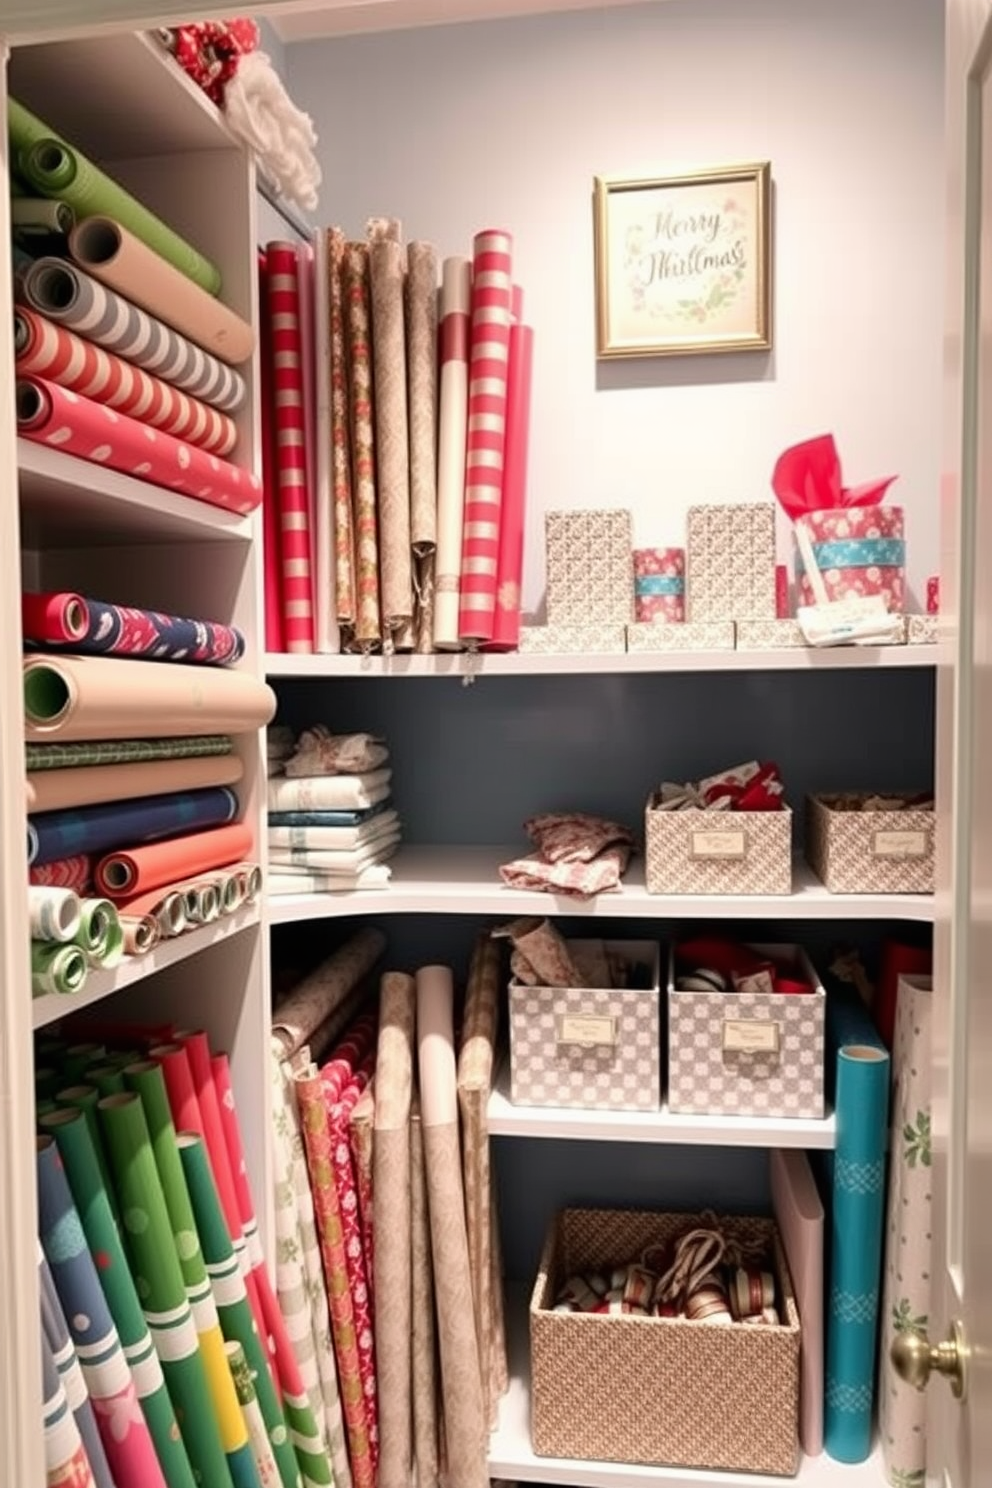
[861, 1069]
[96, 627]
[104, 828]
[55, 1333]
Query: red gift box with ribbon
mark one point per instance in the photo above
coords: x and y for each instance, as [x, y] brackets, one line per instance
[859, 545]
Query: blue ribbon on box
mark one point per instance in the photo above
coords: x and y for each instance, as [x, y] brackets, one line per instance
[861, 552]
[645, 584]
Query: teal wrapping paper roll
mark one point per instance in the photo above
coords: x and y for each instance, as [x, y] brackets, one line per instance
[861, 1103]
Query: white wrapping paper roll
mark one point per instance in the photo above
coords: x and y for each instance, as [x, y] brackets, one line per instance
[456, 293]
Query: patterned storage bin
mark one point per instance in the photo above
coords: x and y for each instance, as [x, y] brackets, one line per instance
[590, 567]
[869, 852]
[730, 562]
[748, 1053]
[717, 852]
[586, 1047]
[661, 1391]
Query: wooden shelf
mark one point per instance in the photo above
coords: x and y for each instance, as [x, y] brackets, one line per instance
[470, 666]
[661, 1127]
[465, 880]
[512, 1456]
[101, 984]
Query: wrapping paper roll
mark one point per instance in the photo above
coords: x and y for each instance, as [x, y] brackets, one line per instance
[125, 875]
[40, 212]
[122, 1426]
[55, 1335]
[510, 564]
[305, 1008]
[462, 1393]
[56, 968]
[358, 342]
[426, 1423]
[421, 306]
[94, 829]
[387, 270]
[67, 873]
[44, 349]
[274, 641]
[659, 584]
[64, 294]
[360, 1138]
[258, 1438]
[122, 262]
[93, 785]
[327, 634]
[99, 936]
[66, 1462]
[101, 697]
[86, 1181]
[54, 416]
[289, 434]
[343, 524]
[305, 290]
[485, 442]
[56, 170]
[107, 1078]
[456, 291]
[147, 1236]
[861, 1105]
[65, 621]
[54, 913]
[122, 752]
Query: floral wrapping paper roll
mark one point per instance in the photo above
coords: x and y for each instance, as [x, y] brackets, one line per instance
[659, 584]
[860, 551]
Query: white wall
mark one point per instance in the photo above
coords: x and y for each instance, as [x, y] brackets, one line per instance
[506, 123]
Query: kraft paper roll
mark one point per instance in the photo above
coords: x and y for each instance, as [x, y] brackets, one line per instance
[89, 785]
[510, 563]
[55, 1334]
[41, 213]
[95, 627]
[123, 875]
[387, 268]
[66, 1462]
[52, 415]
[358, 329]
[130, 268]
[101, 697]
[321, 455]
[343, 523]
[67, 296]
[301, 1012]
[421, 298]
[54, 352]
[98, 828]
[258, 1440]
[423, 1331]
[56, 968]
[122, 752]
[122, 1426]
[148, 1238]
[86, 1182]
[52, 167]
[462, 1393]
[290, 448]
[54, 913]
[456, 290]
[141, 933]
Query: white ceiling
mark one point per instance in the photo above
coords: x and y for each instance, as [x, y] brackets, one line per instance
[307, 21]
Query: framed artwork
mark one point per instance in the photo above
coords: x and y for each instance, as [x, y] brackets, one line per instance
[683, 263]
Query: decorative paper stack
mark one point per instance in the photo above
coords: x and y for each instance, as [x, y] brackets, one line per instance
[331, 825]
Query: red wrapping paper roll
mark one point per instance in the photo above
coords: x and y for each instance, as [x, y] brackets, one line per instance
[122, 876]
[64, 873]
[54, 416]
[289, 435]
[51, 351]
[510, 566]
[54, 617]
[492, 292]
[270, 498]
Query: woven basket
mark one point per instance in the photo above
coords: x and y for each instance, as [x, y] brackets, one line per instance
[717, 852]
[659, 1391]
[869, 852]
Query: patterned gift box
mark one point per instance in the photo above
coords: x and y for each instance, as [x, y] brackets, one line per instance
[588, 1047]
[860, 550]
[730, 562]
[590, 567]
[922, 630]
[748, 1053]
[720, 1398]
[659, 584]
[715, 635]
[869, 852]
[768, 635]
[717, 852]
[572, 640]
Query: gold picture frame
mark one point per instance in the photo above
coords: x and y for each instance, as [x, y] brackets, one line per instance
[683, 262]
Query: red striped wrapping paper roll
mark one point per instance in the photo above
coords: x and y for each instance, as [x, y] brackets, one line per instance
[61, 419]
[289, 433]
[492, 291]
[510, 566]
[270, 499]
[64, 873]
[47, 350]
[456, 298]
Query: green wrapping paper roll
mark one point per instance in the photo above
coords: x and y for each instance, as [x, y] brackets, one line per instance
[50, 166]
[77, 1059]
[244, 1384]
[54, 914]
[238, 1323]
[100, 936]
[56, 968]
[159, 1281]
[79, 1159]
[84, 1098]
[46, 1082]
[107, 1078]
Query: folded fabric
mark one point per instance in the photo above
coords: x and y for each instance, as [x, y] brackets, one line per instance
[283, 882]
[574, 837]
[319, 752]
[327, 818]
[574, 879]
[330, 792]
[350, 860]
[335, 839]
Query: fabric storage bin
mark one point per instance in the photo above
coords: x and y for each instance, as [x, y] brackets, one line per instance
[659, 1391]
[717, 852]
[748, 1053]
[587, 1047]
[730, 562]
[589, 557]
[869, 852]
[860, 550]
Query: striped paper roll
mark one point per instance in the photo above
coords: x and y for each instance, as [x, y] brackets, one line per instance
[456, 292]
[55, 1333]
[270, 507]
[510, 567]
[327, 634]
[258, 1437]
[66, 1462]
[66, 295]
[290, 447]
[387, 274]
[344, 536]
[53, 351]
[122, 1426]
[358, 328]
[487, 387]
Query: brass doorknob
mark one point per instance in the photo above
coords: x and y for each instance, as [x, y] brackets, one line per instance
[914, 1358]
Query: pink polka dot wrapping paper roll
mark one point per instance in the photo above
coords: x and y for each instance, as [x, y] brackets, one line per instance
[489, 352]
[290, 441]
[659, 584]
[860, 551]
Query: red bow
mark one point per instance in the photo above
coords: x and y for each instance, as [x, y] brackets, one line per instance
[807, 478]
